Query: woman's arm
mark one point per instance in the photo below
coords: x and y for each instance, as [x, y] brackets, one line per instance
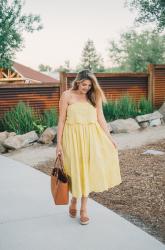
[63, 103]
[101, 119]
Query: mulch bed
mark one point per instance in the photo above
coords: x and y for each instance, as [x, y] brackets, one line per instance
[139, 198]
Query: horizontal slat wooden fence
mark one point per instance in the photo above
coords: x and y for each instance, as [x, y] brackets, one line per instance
[157, 84]
[116, 85]
[43, 96]
[39, 96]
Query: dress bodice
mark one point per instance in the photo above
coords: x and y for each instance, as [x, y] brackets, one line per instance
[81, 112]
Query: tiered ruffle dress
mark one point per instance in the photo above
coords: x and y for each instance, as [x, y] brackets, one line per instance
[90, 158]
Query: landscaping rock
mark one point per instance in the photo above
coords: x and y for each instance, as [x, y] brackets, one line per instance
[155, 122]
[153, 152]
[12, 134]
[19, 141]
[162, 121]
[144, 124]
[109, 127]
[48, 135]
[149, 117]
[162, 110]
[29, 137]
[2, 149]
[124, 125]
[13, 142]
[3, 136]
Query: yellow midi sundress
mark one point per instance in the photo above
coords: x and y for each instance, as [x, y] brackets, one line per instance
[90, 158]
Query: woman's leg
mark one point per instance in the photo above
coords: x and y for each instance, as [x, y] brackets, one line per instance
[73, 202]
[84, 205]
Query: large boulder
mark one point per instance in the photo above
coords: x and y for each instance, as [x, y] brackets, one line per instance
[13, 142]
[109, 127]
[124, 125]
[162, 111]
[155, 122]
[148, 117]
[3, 136]
[19, 141]
[2, 149]
[12, 134]
[144, 124]
[48, 135]
[29, 137]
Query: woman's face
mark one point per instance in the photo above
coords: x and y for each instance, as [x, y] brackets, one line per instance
[85, 86]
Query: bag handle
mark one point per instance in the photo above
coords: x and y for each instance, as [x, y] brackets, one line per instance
[59, 158]
[61, 164]
[61, 168]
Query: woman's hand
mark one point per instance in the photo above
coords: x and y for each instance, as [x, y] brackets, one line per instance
[59, 151]
[114, 143]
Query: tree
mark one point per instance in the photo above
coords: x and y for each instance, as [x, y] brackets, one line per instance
[133, 52]
[45, 68]
[149, 11]
[90, 59]
[12, 25]
[66, 67]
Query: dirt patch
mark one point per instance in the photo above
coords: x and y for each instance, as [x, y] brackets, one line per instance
[139, 198]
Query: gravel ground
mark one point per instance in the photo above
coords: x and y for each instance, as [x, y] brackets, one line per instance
[139, 198]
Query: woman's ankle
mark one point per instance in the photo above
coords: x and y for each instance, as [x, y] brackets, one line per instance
[74, 200]
[83, 208]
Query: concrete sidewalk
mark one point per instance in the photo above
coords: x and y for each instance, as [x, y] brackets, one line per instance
[29, 219]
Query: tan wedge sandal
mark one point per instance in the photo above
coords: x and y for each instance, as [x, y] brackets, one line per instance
[84, 220]
[72, 211]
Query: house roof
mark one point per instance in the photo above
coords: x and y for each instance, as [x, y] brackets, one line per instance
[31, 74]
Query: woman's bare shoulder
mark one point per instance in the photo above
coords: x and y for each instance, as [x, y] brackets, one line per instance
[66, 94]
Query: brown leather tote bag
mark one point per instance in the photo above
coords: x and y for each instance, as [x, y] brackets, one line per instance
[59, 183]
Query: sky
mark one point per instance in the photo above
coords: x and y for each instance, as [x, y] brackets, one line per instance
[68, 24]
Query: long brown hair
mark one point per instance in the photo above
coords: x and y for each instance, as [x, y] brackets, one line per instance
[95, 91]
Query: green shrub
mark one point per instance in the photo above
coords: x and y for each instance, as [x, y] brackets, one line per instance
[144, 106]
[122, 108]
[19, 119]
[23, 118]
[126, 107]
[38, 126]
[1, 125]
[110, 110]
[50, 117]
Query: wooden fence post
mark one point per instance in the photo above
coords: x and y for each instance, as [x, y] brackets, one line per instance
[63, 82]
[151, 83]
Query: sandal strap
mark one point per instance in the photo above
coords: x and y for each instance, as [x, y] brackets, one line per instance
[73, 201]
[73, 209]
[83, 218]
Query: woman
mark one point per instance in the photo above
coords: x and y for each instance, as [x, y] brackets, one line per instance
[90, 155]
